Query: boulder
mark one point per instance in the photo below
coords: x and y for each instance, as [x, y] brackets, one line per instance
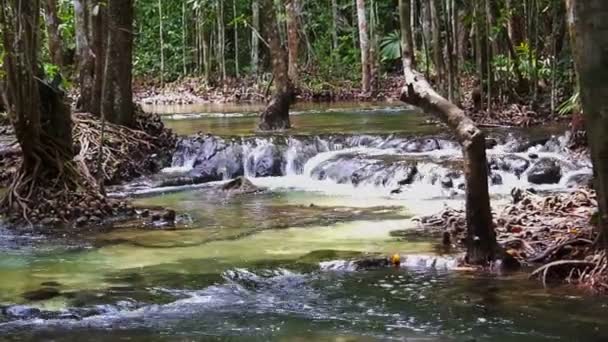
[509, 163]
[265, 161]
[240, 185]
[495, 179]
[545, 171]
[580, 179]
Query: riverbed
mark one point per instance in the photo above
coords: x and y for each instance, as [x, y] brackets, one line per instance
[343, 184]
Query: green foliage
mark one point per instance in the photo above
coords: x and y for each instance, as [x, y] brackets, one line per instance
[571, 105]
[390, 46]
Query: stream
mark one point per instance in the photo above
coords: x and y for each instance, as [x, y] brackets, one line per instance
[276, 264]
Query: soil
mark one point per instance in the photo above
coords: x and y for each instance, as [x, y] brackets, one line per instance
[249, 90]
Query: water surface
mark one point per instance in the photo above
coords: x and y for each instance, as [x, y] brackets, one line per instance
[277, 264]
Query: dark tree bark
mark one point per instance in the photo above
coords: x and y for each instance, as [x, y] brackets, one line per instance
[94, 20]
[589, 34]
[41, 119]
[52, 28]
[276, 114]
[481, 239]
[293, 8]
[84, 54]
[91, 27]
[117, 91]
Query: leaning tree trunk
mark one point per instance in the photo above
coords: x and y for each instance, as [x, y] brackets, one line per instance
[481, 239]
[54, 36]
[276, 114]
[589, 33]
[364, 47]
[117, 97]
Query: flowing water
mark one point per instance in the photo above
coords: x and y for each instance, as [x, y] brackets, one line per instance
[277, 264]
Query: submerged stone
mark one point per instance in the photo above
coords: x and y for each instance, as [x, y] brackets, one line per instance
[240, 185]
[41, 294]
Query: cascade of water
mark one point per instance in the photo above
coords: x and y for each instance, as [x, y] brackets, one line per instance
[385, 164]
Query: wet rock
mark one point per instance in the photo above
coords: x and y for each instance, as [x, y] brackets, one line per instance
[81, 221]
[491, 143]
[50, 283]
[580, 179]
[265, 161]
[371, 263]
[495, 179]
[21, 312]
[41, 294]
[422, 145]
[240, 185]
[169, 216]
[358, 169]
[545, 171]
[509, 163]
[410, 176]
[212, 158]
[447, 182]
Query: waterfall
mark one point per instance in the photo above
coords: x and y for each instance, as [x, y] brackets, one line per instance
[389, 165]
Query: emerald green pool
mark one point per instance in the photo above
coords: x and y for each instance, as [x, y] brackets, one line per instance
[275, 265]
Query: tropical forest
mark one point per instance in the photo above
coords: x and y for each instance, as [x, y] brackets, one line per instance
[304, 170]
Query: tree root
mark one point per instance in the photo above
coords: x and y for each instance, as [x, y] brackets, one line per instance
[57, 192]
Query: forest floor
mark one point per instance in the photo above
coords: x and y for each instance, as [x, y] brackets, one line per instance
[128, 153]
[513, 113]
[552, 234]
[250, 90]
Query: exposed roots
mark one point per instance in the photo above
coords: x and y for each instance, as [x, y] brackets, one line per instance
[54, 191]
[555, 231]
[126, 153]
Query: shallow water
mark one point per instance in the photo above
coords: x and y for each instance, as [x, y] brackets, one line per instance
[305, 119]
[275, 265]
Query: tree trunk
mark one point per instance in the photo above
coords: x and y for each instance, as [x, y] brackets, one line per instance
[407, 40]
[54, 36]
[481, 240]
[364, 47]
[293, 9]
[84, 54]
[425, 17]
[276, 114]
[41, 119]
[589, 34]
[236, 40]
[437, 46]
[161, 43]
[334, 24]
[118, 95]
[221, 39]
[255, 41]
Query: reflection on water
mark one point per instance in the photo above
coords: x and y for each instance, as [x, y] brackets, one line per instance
[385, 118]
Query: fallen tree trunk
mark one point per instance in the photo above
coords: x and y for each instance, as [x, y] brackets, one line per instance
[481, 238]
